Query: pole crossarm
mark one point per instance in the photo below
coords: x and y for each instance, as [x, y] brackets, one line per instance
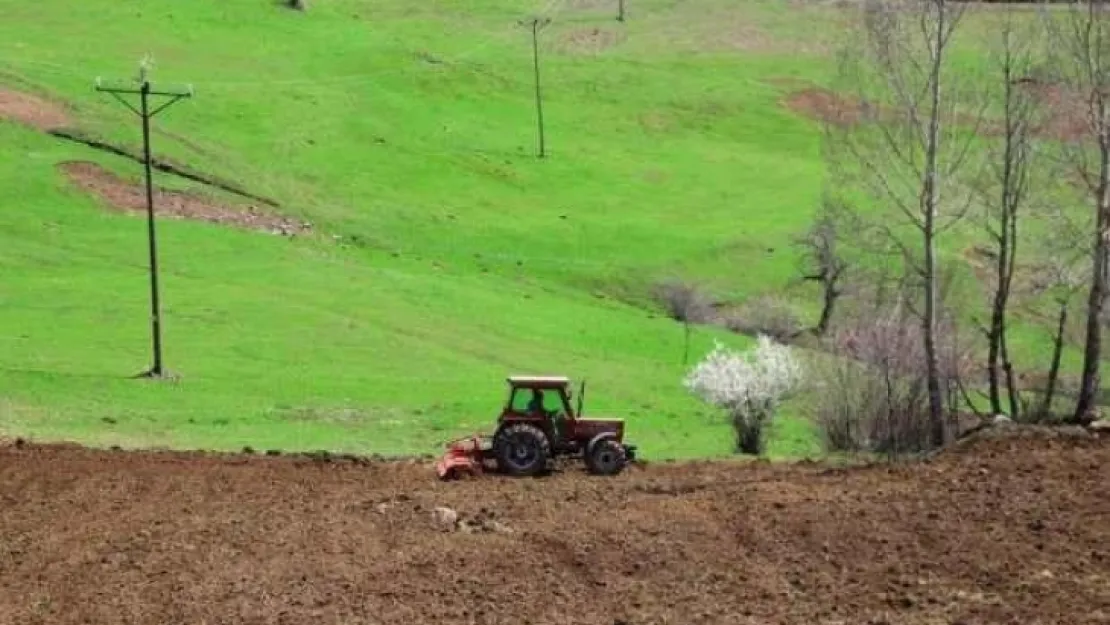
[177, 93]
[184, 91]
[535, 22]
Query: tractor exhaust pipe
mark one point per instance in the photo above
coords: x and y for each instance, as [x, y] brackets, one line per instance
[581, 397]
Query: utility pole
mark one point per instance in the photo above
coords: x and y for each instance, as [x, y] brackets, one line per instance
[144, 90]
[620, 10]
[537, 23]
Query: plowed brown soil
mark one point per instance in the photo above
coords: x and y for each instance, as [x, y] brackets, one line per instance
[127, 196]
[1004, 531]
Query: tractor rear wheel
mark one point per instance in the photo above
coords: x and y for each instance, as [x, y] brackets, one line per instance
[522, 449]
[606, 457]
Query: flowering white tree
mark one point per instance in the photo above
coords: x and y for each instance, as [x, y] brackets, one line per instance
[750, 386]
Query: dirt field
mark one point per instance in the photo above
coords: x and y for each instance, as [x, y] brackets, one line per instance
[1016, 532]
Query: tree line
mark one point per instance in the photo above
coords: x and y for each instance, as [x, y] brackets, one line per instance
[1006, 154]
[990, 136]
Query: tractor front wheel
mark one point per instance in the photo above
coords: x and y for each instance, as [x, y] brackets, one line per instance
[606, 457]
[522, 449]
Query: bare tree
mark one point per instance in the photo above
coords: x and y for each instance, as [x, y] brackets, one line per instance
[1079, 49]
[686, 304]
[822, 259]
[908, 157]
[1006, 190]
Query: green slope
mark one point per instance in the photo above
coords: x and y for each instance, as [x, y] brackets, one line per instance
[446, 255]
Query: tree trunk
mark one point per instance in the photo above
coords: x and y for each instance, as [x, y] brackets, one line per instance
[1054, 368]
[997, 357]
[831, 295]
[994, 346]
[1011, 253]
[1011, 386]
[749, 434]
[685, 342]
[1092, 352]
[930, 200]
[936, 398]
[1007, 255]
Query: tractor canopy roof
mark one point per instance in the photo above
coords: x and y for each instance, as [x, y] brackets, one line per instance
[538, 381]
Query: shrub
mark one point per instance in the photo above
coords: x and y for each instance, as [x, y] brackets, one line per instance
[768, 316]
[750, 386]
[873, 393]
[686, 304]
[683, 301]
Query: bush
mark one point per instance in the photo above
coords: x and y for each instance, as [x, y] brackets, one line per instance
[684, 302]
[750, 386]
[873, 393]
[768, 316]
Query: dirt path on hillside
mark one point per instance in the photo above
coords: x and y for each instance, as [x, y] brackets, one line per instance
[1016, 532]
[32, 111]
[130, 197]
[1063, 117]
[54, 120]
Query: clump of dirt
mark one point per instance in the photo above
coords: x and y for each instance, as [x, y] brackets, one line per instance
[131, 197]
[824, 105]
[589, 40]
[31, 111]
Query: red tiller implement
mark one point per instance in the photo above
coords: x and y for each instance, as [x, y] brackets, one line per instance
[465, 456]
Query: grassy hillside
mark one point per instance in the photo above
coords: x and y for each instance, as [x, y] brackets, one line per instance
[445, 255]
[407, 133]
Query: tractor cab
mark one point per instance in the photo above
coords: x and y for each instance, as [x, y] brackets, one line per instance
[542, 401]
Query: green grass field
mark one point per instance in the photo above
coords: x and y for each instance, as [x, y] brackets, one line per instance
[446, 255]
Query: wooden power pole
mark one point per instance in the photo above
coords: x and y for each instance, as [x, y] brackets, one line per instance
[144, 89]
[536, 24]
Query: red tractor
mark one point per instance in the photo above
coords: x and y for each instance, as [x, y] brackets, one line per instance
[538, 424]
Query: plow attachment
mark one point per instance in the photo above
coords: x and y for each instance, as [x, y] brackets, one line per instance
[465, 456]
